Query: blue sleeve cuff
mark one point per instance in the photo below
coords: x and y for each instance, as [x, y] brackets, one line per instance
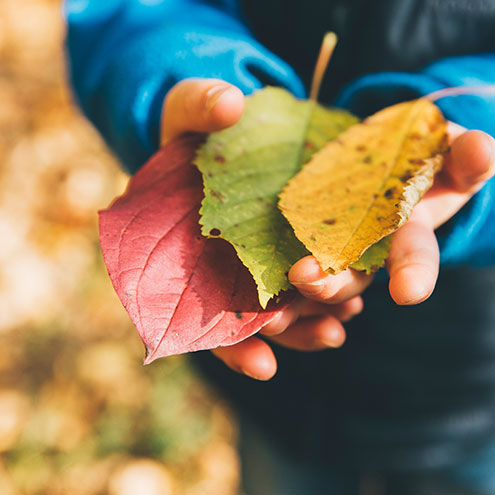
[471, 232]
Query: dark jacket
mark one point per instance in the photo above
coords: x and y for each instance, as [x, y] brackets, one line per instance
[374, 36]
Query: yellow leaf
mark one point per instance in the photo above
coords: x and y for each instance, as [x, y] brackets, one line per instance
[363, 186]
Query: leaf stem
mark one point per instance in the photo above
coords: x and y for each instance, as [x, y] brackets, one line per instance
[487, 89]
[326, 51]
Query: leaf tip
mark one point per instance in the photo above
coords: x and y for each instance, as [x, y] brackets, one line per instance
[148, 356]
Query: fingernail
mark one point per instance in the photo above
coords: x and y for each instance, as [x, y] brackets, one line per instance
[247, 373]
[273, 327]
[333, 340]
[214, 94]
[415, 300]
[327, 343]
[310, 288]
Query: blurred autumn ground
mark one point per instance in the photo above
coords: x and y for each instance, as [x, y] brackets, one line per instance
[79, 414]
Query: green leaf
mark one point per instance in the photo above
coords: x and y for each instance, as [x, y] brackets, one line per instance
[244, 169]
[374, 257]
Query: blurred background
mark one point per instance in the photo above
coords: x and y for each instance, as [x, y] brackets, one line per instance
[79, 413]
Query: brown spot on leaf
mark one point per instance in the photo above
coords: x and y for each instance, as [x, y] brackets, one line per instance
[217, 195]
[215, 232]
[330, 221]
[415, 136]
[309, 146]
[390, 193]
[360, 147]
[443, 146]
[406, 176]
[367, 159]
[238, 315]
[220, 159]
[416, 161]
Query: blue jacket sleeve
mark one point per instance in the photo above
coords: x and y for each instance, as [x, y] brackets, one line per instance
[470, 236]
[124, 56]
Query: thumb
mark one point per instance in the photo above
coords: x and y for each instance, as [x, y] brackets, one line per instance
[470, 162]
[200, 105]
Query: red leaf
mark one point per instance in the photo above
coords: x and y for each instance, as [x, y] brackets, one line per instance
[182, 291]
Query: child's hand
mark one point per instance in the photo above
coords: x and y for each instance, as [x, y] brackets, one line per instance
[314, 322]
[414, 258]
[206, 105]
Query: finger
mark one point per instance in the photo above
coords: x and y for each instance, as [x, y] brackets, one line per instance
[469, 164]
[414, 259]
[306, 307]
[349, 309]
[470, 161]
[200, 105]
[343, 311]
[251, 357]
[283, 319]
[312, 282]
[312, 334]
